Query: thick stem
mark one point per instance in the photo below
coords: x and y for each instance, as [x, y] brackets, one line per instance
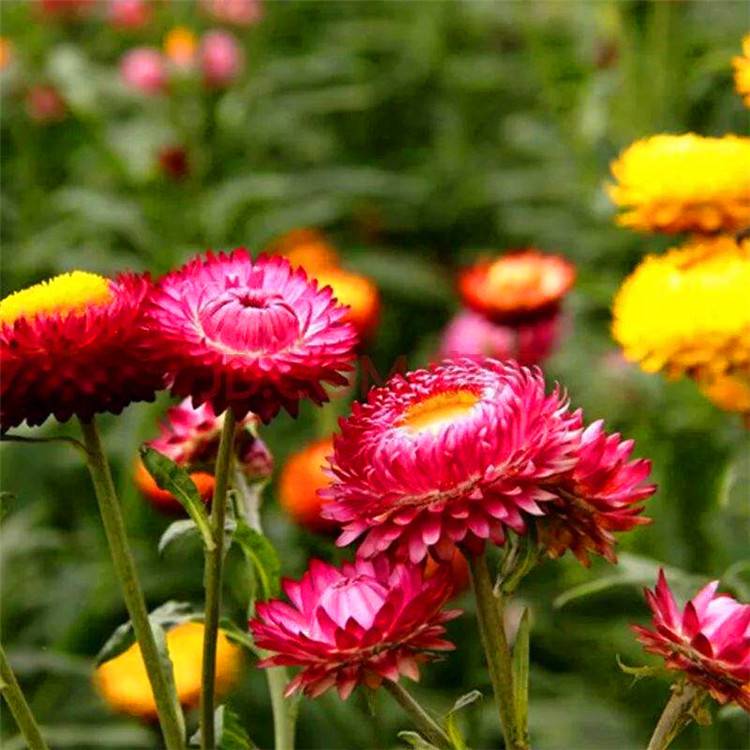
[426, 725]
[497, 652]
[213, 574]
[676, 715]
[16, 701]
[170, 718]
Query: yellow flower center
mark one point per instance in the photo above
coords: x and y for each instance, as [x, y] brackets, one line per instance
[437, 411]
[69, 292]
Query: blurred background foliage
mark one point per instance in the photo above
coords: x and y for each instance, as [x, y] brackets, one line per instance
[415, 135]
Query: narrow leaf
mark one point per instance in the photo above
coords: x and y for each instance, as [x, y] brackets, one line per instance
[521, 670]
[465, 700]
[416, 741]
[261, 554]
[639, 672]
[176, 530]
[175, 480]
[454, 733]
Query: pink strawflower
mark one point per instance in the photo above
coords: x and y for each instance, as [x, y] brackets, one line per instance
[451, 454]
[708, 641]
[358, 624]
[190, 437]
[470, 334]
[144, 70]
[238, 12]
[250, 335]
[74, 345]
[129, 14]
[601, 495]
[221, 58]
[44, 104]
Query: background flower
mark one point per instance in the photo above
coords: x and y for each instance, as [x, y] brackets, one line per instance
[359, 624]
[741, 65]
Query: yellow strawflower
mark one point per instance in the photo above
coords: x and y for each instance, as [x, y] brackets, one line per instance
[124, 684]
[688, 311]
[741, 64]
[683, 183]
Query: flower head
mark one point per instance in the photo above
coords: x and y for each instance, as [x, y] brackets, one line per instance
[358, 624]
[239, 12]
[143, 69]
[470, 334]
[44, 104]
[180, 47]
[684, 183]
[248, 335]
[741, 64]
[74, 345]
[358, 293]
[221, 58]
[449, 455]
[686, 312]
[708, 641]
[517, 286]
[307, 248]
[301, 478]
[124, 684]
[129, 14]
[7, 52]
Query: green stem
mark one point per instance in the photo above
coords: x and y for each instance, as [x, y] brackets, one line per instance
[426, 725]
[213, 573]
[497, 652]
[16, 701]
[676, 716]
[170, 718]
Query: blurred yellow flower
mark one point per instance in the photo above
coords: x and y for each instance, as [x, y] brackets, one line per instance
[741, 64]
[688, 311]
[308, 248]
[124, 685]
[677, 183]
[180, 46]
[729, 392]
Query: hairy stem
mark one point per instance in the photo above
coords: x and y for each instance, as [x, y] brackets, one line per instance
[426, 725]
[213, 575]
[170, 717]
[497, 652]
[16, 701]
[676, 716]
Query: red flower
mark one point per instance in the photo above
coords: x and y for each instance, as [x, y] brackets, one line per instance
[74, 345]
[708, 641]
[248, 335]
[602, 494]
[517, 286]
[362, 623]
[449, 455]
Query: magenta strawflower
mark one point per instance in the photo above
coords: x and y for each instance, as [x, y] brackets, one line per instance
[458, 453]
[144, 70]
[359, 624]
[451, 454]
[250, 335]
[708, 641]
[74, 345]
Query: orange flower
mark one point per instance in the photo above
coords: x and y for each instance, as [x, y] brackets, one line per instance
[459, 571]
[517, 286]
[300, 480]
[6, 52]
[124, 684]
[307, 248]
[161, 499]
[358, 293]
[180, 46]
[741, 64]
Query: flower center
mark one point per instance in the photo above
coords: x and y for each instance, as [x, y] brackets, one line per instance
[514, 276]
[250, 321]
[69, 292]
[436, 412]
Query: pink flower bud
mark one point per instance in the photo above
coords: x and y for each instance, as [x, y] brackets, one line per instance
[221, 58]
[44, 104]
[239, 12]
[143, 69]
[129, 14]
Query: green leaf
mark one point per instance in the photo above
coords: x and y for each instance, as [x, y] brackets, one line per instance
[521, 670]
[166, 616]
[639, 672]
[416, 741]
[454, 733]
[175, 480]
[176, 530]
[228, 730]
[239, 636]
[261, 554]
[465, 700]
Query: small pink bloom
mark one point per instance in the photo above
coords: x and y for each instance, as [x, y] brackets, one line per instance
[221, 58]
[44, 104]
[238, 12]
[250, 335]
[708, 641]
[129, 14]
[144, 70]
[358, 624]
